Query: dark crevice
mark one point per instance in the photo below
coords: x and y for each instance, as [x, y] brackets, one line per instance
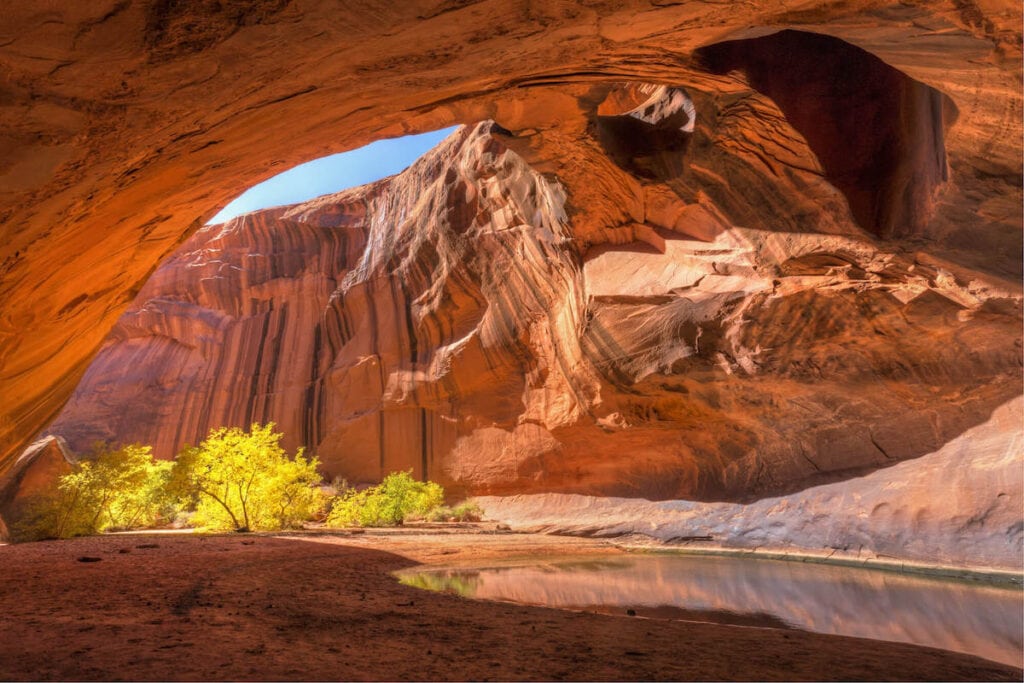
[650, 142]
[878, 133]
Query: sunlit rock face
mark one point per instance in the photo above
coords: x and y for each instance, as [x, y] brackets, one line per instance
[958, 506]
[126, 124]
[707, 251]
[712, 323]
[376, 326]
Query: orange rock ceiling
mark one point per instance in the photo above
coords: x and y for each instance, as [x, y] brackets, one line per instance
[125, 125]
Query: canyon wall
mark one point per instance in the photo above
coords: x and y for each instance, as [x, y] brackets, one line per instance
[125, 125]
[725, 254]
[735, 339]
[30, 479]
[957, 507]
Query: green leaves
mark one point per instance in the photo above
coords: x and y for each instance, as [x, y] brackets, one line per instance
[389, 503]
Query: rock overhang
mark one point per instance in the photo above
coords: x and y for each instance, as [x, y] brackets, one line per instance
[101, 187]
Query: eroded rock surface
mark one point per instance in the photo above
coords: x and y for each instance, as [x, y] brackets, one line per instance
[126, 124]
[958, 506]
[450, 320]
[764, 257]
[32, 475]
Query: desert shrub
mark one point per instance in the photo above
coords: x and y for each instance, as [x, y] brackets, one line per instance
[246, 481]
[111, 489]
[465, 511]
[398, 498]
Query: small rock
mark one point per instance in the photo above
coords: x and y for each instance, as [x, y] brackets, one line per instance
[631, 612]
[86, 558]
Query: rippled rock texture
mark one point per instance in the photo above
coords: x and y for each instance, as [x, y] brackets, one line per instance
[449, 320]
[705, 251]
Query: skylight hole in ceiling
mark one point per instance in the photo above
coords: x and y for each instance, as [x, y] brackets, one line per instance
[334, 173]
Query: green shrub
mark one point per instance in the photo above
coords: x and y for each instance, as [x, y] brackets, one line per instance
[398, 498]
[111, 489]
[463, 512]
[245, 481]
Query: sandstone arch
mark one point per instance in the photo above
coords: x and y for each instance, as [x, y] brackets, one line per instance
[128, 123]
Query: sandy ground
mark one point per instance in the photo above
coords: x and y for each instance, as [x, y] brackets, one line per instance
[326, 607]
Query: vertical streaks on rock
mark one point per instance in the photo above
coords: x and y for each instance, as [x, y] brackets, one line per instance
[466, 321]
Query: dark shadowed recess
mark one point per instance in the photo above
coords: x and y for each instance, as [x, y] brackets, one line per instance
[878, 133]
[650, 143]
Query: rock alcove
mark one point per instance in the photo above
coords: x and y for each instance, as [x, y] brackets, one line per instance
[730, 267]
[879, 134]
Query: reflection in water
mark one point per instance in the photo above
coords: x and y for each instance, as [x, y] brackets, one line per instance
[978, 619]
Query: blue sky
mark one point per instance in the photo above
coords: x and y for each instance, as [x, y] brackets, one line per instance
[336, 172]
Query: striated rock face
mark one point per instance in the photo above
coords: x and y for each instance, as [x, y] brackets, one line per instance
[126, 124]
[452, 321]
[763, 257]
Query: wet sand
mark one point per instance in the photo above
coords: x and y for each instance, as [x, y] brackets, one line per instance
[326, 607]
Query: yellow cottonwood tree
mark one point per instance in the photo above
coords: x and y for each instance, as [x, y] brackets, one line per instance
[121, 488]
[246, 481]
[388, 503]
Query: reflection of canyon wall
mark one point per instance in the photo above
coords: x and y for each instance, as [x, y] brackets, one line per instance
[977, 619]
[638, 302]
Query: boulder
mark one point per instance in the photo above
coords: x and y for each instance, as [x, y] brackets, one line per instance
[34, 474]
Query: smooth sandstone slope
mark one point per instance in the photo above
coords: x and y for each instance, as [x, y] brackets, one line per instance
[126, 124]
[957, 507]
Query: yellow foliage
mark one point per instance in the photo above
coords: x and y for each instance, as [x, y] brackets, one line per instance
[112, 489]
[246, 481]
[391, 502]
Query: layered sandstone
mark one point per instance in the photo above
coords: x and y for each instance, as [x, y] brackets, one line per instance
[453, 321]
[958, 507]
[126, 124]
